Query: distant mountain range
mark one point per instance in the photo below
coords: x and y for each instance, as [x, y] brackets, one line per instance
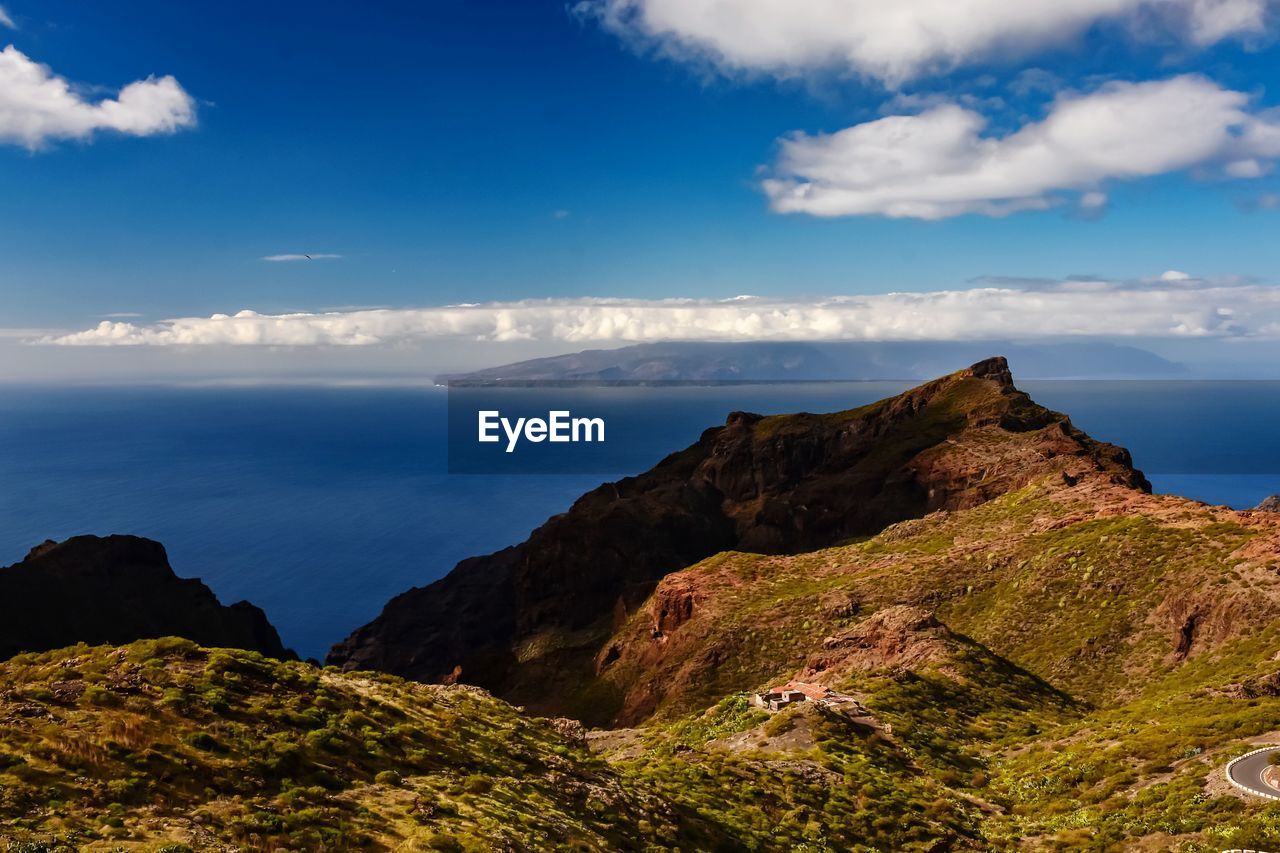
[772, 361]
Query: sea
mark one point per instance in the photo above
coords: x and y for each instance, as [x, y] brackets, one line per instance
[320, 502]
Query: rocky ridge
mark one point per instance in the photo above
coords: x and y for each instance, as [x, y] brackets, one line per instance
[529, 622]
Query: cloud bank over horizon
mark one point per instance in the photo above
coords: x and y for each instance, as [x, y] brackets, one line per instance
[938, 163]
[1172, 305]
[900, 41]
[37, 106]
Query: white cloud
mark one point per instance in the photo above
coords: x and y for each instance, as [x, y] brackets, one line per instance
[6, 20]
[37, 106]
[1213, 20]
[301, 257]
[938, 163]
[1249, 168]
[1159, 307]
[897, 40]
[1093, 203]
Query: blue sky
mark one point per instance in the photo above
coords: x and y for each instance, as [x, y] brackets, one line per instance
[492, 152]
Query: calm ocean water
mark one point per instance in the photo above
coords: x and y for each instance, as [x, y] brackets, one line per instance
[319, 504]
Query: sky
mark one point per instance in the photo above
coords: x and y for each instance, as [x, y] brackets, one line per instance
[474, 181]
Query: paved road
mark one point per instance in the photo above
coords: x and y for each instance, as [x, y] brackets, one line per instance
[1247, 773]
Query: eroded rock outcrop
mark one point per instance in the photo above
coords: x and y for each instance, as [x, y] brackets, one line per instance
[672, 606]
[529, 622]
[899, 636]
[115, 590]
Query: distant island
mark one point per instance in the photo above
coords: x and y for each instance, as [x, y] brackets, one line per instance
[839, 360]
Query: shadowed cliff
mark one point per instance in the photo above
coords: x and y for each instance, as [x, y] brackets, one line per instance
[114, 590]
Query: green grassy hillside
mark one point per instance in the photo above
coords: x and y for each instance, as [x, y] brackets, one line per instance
[1104, 654]
[1067, 667]
[164, 743]
[1095, 588]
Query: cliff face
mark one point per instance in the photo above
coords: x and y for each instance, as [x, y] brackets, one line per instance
[114, 590]
[528, 622]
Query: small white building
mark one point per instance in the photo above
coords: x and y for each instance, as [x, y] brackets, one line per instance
[777, 698]
[793, 692]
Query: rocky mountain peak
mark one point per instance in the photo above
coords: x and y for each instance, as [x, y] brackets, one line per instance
[996, 369]
[529, 622]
